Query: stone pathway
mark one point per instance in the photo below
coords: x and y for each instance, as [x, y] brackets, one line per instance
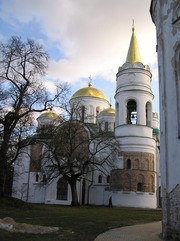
[141, 232]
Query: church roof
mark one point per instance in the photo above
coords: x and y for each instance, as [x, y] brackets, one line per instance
[133, 55]
[90, 92]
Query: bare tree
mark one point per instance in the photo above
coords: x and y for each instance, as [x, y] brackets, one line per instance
[22, 93]
[74, 149]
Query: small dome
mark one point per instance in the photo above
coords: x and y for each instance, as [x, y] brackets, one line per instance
[109, 110]
[49, 114]
[90, 92]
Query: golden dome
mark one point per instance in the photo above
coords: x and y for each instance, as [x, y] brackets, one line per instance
[90, 92]
[49, 114]
[109, 110]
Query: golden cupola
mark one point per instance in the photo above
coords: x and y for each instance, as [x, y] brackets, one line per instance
[89, 92]
[109, 110]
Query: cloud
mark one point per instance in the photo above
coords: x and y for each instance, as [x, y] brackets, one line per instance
[93, 35]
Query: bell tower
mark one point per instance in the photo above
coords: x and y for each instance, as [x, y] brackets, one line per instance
[135, 178]
[133, 95]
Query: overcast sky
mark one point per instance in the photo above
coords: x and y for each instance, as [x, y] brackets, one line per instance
[84, 37]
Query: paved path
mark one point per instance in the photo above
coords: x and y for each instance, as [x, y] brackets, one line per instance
[141, 232]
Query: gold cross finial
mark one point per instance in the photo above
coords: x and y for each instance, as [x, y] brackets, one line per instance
[133, 25]
[90, 80]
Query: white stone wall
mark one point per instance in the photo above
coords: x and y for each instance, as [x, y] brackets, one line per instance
[90, 104]
[166, 16]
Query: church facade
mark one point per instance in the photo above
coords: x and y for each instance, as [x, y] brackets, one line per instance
[134, 181]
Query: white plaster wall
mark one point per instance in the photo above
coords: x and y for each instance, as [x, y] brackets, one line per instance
[90, 104]
[102, 118]
[131, 199]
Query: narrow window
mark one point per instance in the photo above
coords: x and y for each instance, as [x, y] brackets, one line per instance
[108, 179]
[131, 112]
[140, 187]
[128, 164]
[82, 113]
[37, 178]
[44, 178]
[148, 114]
[62, 189]
[97, 110]
[99, 179]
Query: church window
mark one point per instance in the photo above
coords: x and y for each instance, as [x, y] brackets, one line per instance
[99, 179]
[140, 187]
[148, 114]
[131, 112]
[62, 189]
[97, 110]
[106, 126]
[44, 178]
[140, 183]
[82, 113]
[128, 164]
[37, 178]
[108, 179]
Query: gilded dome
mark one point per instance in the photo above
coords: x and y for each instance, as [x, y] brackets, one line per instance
[109, 110]
[49, 114]
[89, 92]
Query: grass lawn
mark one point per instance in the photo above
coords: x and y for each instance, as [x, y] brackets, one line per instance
[75, 223]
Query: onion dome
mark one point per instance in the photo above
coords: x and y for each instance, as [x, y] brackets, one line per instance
[109, 110]
[89, 92]
[48, 118]
[49, 114]
[133, 55]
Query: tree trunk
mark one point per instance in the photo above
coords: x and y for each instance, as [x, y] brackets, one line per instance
[74, 194]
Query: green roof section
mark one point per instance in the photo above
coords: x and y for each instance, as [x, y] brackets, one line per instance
[155, 131]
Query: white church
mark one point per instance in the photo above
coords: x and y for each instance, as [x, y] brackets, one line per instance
[135, 182]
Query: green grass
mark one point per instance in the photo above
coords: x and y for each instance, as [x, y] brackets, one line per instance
[75, 223]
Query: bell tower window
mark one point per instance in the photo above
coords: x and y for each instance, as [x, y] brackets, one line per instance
[131, 112]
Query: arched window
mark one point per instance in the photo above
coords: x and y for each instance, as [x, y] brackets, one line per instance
[140, 183]
[148, 114]
[99, 179]
[108, 179]
[140, 187]
[106, 126]
[128, 164]
[131, 112]
[62, 189]
[44, 178]
[97, 110]
[82, 113]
